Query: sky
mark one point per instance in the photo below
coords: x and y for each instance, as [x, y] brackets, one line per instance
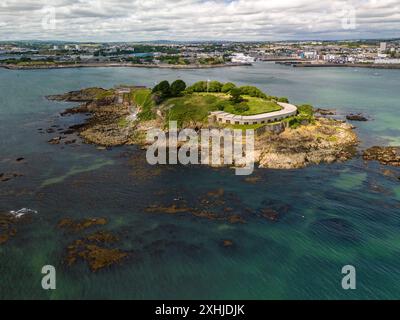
[186, 20]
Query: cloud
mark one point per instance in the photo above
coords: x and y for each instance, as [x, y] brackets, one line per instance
[135, 20]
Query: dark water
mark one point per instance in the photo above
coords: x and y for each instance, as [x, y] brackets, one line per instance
[329, 215]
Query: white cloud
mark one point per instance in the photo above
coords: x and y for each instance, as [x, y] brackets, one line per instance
[132, 20]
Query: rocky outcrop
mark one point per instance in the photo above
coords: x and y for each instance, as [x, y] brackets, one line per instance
[356, 117]
[325, 141]
[105, 126]
[325, 112]
[385, 155]
[84, 95]
[278, 147]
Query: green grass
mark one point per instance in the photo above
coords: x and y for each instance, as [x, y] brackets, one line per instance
[256, 106]
[195, 107]
[245, 126]
[192, 108]
[143, 99]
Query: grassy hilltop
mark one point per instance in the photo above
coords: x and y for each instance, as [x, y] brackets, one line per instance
[190, 105]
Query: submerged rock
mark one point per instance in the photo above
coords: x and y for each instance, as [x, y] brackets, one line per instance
[270, 214]
[227, 243]
[385, 155]
[9, 222]
[80, 225]
[92, 250]
[4, 177]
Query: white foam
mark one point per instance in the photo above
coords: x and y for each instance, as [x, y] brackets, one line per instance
[21, 212]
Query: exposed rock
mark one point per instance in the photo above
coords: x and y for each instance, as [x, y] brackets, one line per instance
[385, 155]
[70, 141]
[325, 112]
[325, 141]
[356, 117]
[84, 95]
[55, 140]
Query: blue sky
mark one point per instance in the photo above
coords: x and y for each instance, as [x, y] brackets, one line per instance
[138, 20]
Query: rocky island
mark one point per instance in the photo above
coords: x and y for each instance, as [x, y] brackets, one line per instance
[123, 115]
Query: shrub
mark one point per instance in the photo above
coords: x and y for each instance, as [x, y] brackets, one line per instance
[177, 87]
[241, 107]
[222, 105]
[306, 109]
[163, 87]
[227, 87]
[236, 95]
[200, 86]
[214, 86]
[283, 99]
[252, 92]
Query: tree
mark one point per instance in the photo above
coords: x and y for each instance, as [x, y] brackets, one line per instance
[283, 99]
[236, 95]
[200, 86]
[252, 92]
[164, 88]
[214, 86]
[227, 87]
[306, 109]
[177, 87]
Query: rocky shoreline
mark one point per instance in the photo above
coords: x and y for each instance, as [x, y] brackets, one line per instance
[120, 65]
[323, 141]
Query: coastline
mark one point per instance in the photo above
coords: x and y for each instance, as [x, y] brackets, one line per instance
[122, 65]
[355, 65]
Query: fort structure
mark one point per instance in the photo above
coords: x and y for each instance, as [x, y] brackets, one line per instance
[288, 110]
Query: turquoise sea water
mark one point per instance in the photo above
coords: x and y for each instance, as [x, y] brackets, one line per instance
[329, 215]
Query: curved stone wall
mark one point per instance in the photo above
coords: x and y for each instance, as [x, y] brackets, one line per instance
[288, 110]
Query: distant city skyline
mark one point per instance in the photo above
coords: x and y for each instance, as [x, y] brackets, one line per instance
[198, 20]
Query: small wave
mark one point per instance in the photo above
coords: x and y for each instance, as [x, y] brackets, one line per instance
[22, 212]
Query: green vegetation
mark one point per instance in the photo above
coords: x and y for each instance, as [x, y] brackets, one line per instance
[191, 108]
[200, 86]
[236, 97]
[245, 126]
[305, 115]
[177, 87]
[255, 106]
[143, 99]
[253, 92]
[176, 60]
[193, 104]
[227, 87]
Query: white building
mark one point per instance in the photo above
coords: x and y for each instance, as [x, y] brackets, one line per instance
[382, 47]
[242, 58]
[387, 61]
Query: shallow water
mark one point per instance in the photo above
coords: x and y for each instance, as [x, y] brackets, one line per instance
[329, 215]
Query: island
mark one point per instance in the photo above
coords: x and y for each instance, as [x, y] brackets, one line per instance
[287, 136]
